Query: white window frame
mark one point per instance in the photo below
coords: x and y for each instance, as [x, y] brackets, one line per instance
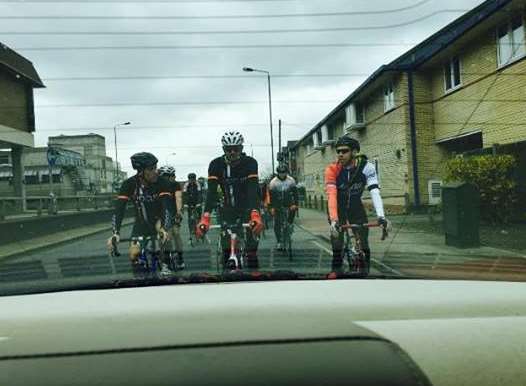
[451, 74]
[510, 35]
[360, 107]
[389, 97]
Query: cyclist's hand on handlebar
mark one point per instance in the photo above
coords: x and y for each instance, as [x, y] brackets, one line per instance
[256, 222]
[113, 239]
[164, 235]
[293, 208]
[178, 218]
[334, 228]
[203, 226]
[273, 212]
[386, 226]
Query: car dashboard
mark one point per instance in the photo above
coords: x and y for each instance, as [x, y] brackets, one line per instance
[338, 332]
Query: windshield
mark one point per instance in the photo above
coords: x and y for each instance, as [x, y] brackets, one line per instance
[148, 142]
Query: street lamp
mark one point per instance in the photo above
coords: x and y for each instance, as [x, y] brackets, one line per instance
[249, 69]
[115, 139]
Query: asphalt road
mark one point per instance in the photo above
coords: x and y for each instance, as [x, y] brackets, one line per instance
[88, 257]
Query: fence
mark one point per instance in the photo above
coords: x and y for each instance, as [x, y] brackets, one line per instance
[52, 205]
[319, 202]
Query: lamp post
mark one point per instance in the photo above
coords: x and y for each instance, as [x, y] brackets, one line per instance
[249, 69]
[116, 171]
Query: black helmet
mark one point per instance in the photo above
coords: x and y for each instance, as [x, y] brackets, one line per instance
[192, 176]
[141, 161]
[282, 169]
[348, 141]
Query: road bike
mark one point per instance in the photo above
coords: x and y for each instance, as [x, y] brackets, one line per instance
[237, 246]
[353, 247]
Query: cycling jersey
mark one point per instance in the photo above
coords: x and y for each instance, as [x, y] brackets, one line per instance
[238, 182]
[283, 192]
[174, 187]
[345, 186]
[152, 202]
[192, 193]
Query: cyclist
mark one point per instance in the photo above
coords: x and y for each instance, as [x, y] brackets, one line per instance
[168, 172]
[283, 194]
[237, 176]
[151, 198]
[345, 182]
[193, 197]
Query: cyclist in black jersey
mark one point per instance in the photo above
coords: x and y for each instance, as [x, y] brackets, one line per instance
[193, 194]
[237, 176]
[151, 196]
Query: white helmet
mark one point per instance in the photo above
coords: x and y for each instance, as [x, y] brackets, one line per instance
[167, 170]
[232, 138]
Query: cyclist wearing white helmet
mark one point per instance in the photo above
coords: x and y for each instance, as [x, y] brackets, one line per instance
[168, 172]
[283, 194]
[237, 175]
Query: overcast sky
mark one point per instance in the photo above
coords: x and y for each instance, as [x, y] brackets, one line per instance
[191, 120]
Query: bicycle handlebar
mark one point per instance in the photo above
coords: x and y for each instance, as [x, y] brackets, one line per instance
[385, 234]
[220, 226]
[354, 226]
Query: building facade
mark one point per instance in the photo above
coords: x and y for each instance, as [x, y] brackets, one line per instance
[460, 91]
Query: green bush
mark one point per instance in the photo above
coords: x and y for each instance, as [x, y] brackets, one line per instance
[492, 175]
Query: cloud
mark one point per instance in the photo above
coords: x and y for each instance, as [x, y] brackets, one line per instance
[196, 139]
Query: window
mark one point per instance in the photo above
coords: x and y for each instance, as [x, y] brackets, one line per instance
[389, 99]
[319, 139]
[360, 112]
[354, 113]
[510, 41]
[452, 74]
[4, 159]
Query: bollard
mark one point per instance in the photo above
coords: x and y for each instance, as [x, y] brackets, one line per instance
[78, 203]
[2, 210]
[95, 203]
[52, 206]
[316, 202]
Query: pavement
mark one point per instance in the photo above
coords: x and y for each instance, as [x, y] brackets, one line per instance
[34, 213]
[22, 248]
[411, 251]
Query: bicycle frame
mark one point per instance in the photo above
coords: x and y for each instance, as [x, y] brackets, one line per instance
[152, 266]
[286, 230]
[354, 250]
[234, 261]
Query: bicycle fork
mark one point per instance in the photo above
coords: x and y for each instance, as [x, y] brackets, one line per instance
[233, 255]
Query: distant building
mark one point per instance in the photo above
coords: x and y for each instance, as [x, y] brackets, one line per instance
[101, 171]
[78, 165]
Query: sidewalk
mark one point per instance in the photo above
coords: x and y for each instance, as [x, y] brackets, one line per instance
[22, 247]
[408, 248]
[34, 213]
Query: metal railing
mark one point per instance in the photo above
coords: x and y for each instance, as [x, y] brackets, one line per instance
[39, 205]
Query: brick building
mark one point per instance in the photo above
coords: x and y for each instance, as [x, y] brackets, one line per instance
[459, 91]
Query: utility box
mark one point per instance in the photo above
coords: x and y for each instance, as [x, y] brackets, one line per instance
[461, 211]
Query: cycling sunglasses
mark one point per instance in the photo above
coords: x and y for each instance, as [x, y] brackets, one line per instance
[342, 151]
[232, 149]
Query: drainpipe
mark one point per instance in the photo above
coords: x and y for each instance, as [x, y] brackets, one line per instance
[412, 125]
